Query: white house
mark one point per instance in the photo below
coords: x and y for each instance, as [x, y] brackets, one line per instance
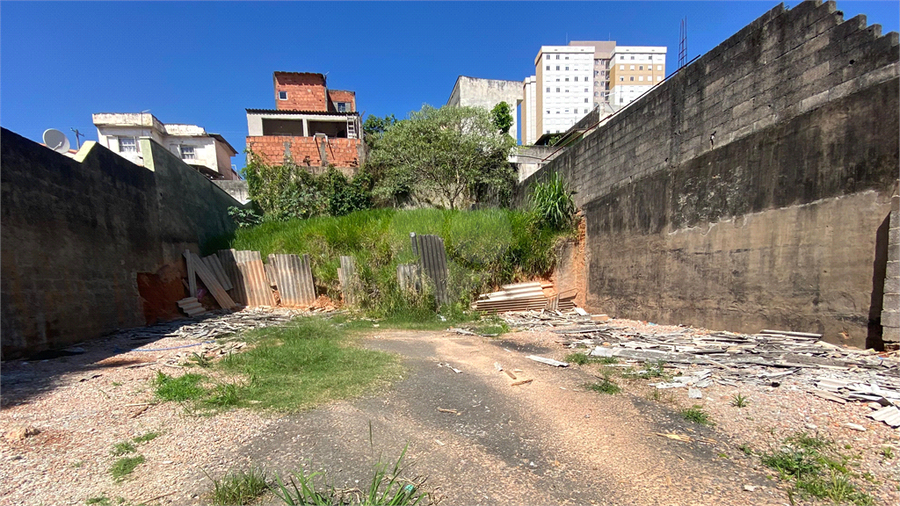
[209, 153]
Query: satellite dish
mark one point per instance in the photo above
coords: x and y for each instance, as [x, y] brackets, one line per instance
[56, 140]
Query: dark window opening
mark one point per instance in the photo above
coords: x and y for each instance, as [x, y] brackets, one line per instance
[329, 128]
[283, 127]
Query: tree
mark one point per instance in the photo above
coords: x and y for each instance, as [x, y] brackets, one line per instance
[445, 156]
[375, 127]
[503, 120]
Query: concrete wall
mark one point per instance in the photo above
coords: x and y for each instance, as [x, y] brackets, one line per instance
[238, 189]
[747, 191]
[890, 311]
[93, 244]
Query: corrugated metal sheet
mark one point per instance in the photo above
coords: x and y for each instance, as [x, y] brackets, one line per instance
[212, 263]
[433, 261]
[349, 282]
[251, 286]
[293, 275]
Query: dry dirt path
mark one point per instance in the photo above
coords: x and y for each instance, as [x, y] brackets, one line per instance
[549, 441]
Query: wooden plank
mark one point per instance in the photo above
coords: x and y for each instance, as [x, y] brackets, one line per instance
[192, 280]
[212, 284]
[215, 266]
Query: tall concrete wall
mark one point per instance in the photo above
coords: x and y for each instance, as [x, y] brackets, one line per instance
[747, 191]
[93, 244]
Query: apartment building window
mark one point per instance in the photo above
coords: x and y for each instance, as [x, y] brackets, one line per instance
[659, 78]
[596, 73]
[557, 57]
[586, 90]
[557, 90]
[631, 67]
[640, 78]
[557, 79]
[621, 67]
[596, 94]
[557, 67]
[631, 78]
[567, 111]
[621, 78]
[640, 67]
[567, 57]
[659, 67]
[632, 57]
[585, 111]
[187, 152]
[567, 90]
[548, 89]
[567, 79]
[567, 68]
[548, 67]
[585, 101]
[622, 57]
[127, 145]
[576, 78]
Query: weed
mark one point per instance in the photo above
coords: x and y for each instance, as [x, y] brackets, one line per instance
[816, 469]
[584, 358]
[200, 360]
[116, 383]
[887, 452]
[659, 395]
[306, 363]
[224, 395]
[385, 488]
[239, 487]
[746, 449]
[125, 466]
[604, 387]
[123, 448]
[696, 414]
[551, 202]
[723, 455]
[150, 436]
[179, 389]
[101, 500]
[651, 370]
[739, 401]
[77, 464]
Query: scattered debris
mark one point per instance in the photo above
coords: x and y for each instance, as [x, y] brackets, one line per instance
[750, 488]
[521, 382]
[451, 411]
[445, 364]
[548, 361]
[191, 306]
[889, 415]
[20, 433]
[855, 426]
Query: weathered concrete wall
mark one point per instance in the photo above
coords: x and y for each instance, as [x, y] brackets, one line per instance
[747, 190]
[83, 239]
[890, 312]
[238, 189]
[487, 93]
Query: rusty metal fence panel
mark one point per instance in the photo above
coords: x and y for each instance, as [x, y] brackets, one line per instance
[294, 279]
[349, 282]
[408, 277]
[248, 275]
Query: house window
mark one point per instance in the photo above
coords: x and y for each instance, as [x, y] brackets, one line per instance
[127, 145]
[342, 106]
[187, 152]
[282, 95]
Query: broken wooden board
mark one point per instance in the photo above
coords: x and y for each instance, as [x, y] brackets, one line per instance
[209, 279]
[294, 279]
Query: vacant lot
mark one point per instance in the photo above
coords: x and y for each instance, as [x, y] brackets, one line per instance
[477, 434]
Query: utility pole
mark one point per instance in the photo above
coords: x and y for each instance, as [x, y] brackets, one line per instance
[77, 135]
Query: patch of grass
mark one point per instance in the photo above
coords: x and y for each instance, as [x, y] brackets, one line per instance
[586, 358]
[651, 370]
[816, 469]
[123, 448]
[605, 386]
[746, 449]
[116, 383]
[199, 360]
[306, 363]
[386, 487]
[660, 395]
[101, 500]
[125, 466]
[223, 396]
[180, 389]
[239, 487]
[887, 453]
[696, 414]
[77, 464]
[150, 436]
[739, 401]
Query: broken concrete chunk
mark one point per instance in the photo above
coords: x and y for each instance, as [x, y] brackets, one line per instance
[694, 393]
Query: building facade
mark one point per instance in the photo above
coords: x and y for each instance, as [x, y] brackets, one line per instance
[487, 93]
[564, 87]
[208, 153]
[312, 125]
[603, 51]
[529, 111]
[634, 70]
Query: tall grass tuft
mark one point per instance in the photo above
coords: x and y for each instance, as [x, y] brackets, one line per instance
[552, 203]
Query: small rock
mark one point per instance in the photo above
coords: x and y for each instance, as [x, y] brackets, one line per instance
[812, 426]
[694, 393]
[855, 426]
[750, 488]
[20, 433]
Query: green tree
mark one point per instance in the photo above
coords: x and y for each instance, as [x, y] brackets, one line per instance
[503, 119]
[446, 157]
[375, 127]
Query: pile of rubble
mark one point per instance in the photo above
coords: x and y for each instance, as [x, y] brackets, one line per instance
[767, 358]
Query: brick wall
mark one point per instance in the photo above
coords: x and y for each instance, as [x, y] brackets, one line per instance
[305, 92]
[746, 191]
[338, 152]
[343, 96]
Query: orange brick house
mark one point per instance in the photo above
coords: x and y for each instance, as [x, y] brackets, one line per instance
[313, 125]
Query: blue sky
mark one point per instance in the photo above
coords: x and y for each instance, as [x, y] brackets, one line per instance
[203, 63]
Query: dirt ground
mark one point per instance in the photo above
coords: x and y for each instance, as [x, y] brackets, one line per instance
[477, 437]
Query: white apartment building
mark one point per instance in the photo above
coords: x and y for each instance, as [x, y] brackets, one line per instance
[563, 77]
[634, 70]
[529, 110]
[208, 153]
[603, 50]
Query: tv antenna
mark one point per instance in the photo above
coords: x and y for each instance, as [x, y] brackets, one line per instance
[77, 135]
[682, 43]
[56, 140]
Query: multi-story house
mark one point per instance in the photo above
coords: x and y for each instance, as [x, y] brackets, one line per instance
[312, 125]
[208, 153]
[634, 70]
